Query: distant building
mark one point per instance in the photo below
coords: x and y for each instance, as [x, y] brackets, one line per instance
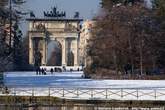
[85, 35]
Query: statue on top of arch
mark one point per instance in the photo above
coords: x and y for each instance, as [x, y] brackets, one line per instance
[55, 13]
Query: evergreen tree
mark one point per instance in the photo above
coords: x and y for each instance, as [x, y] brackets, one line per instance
[10, 55]
[17, 48]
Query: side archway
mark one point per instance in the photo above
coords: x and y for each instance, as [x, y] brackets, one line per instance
[37, 45]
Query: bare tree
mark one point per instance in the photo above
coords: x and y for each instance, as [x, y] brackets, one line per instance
[124, 40]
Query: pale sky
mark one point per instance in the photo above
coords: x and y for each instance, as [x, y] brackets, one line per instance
[87, 8]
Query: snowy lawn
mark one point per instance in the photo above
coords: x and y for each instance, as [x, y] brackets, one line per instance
[73, 80]
[73, 86]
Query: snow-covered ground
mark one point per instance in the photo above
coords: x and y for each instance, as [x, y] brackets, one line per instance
[71, 85]
[73, 80]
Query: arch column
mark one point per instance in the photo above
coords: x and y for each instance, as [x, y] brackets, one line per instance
[31, 50]
[44, 53]
[64, 52]
[76, 53]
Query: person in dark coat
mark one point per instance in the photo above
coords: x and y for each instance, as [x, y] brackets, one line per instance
[64, 68]
[39, 69]
[42, 71]
[55, 69]
[51, 70]
[36, 71]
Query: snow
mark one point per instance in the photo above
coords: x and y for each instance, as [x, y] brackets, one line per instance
[71, 85]
[73, 80]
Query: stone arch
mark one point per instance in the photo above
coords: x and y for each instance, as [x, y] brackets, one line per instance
[54, 53]
[54, 29]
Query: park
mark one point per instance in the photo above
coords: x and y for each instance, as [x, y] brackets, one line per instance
[54, 58]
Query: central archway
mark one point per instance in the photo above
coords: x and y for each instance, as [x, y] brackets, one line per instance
[54, 56]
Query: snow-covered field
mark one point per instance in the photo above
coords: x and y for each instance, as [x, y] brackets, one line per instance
[73, 80]
[72, 85]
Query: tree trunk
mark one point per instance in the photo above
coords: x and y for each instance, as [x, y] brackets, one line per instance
[131, 54]
[141, 54]
[115, 61]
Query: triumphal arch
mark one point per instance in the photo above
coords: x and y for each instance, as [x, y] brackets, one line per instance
[57, 28]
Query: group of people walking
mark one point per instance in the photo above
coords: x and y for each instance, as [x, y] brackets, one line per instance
[43, 71]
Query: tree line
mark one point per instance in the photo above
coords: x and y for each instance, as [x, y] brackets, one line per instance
[128, 37]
